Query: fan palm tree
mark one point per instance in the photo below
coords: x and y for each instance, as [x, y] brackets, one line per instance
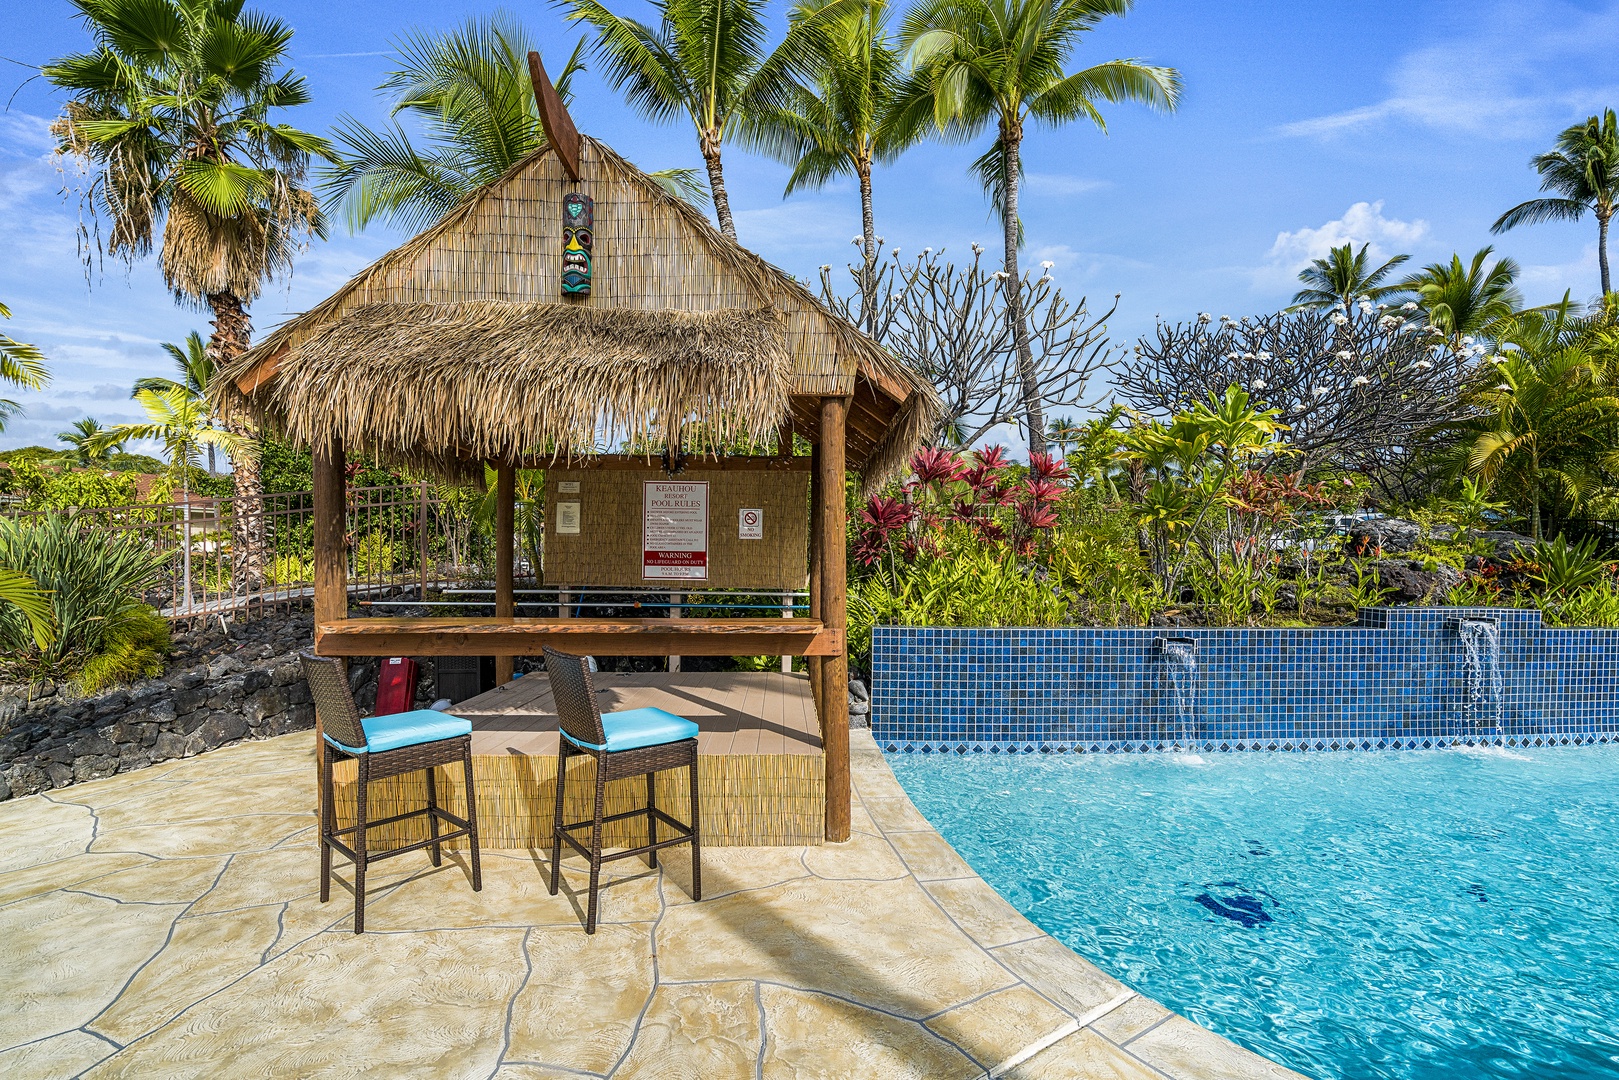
[196, 370]
[1466, 300]
[470, 90]
[21, 365]
[172, 113]
[1584, 171]
[1345, 276]
[841, 120]
[86, 447]
[979, 61]
[706, 61]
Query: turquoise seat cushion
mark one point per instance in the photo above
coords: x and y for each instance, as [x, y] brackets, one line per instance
[635, 728]
[406, 729]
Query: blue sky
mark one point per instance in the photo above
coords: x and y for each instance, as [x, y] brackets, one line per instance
[1304, 124]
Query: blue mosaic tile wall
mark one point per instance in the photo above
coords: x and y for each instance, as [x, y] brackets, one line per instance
[1397, 679]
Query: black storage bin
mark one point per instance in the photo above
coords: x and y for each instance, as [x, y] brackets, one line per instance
[462, 677]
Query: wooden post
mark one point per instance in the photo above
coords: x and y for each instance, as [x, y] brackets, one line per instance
[331, 558]
[505, 602]
[834, 612]
[784, 450]
[812, 664]
[675, 600]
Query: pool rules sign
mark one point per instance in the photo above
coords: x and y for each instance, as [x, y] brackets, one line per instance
[674, 530]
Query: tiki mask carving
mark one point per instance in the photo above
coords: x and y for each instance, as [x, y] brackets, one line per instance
[578, 222]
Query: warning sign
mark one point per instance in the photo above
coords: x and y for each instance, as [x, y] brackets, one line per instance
[674, 531]
[750, 524]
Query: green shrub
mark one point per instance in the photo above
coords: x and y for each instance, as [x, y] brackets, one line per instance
[49, 489]
[1564, 567]
[135, 647]
[374, 556]
[95, 579]
[291, 569]
[1593, 605]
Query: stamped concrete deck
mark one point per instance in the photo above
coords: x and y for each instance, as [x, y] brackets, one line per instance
[165, 924]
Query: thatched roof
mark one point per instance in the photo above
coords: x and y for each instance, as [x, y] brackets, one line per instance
[456, 342]
[545, 375]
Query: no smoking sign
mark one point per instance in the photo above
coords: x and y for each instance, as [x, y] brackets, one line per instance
[750, 524]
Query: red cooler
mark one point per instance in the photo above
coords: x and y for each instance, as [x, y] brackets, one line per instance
[396, 686]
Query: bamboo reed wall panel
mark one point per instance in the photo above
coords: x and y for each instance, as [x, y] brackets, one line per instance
[645, 256]
[749, 800]
[607, 549]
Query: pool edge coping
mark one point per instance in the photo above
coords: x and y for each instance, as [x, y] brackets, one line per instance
[1136, 1026]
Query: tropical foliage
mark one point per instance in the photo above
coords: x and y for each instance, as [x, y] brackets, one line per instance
[21, 365]
[1346, 276]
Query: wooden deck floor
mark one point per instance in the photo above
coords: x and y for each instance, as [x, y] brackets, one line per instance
[737, 712]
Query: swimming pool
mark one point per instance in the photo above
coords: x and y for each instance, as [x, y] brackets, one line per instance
[1411, 915]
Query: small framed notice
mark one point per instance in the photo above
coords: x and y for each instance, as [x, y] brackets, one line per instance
[750, 524]
[567, 487]
[674, 530]
[567, 519]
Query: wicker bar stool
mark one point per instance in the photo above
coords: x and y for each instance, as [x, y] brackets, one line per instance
[629, 743]
[384, 746]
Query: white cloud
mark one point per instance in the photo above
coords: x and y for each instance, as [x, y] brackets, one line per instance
[1060, 184]
[1362, 223]
[1543, 283]
[1521, 72]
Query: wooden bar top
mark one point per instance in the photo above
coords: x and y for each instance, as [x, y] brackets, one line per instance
[517, 636]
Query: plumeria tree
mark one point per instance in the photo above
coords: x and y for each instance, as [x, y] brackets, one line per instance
[1358, 390]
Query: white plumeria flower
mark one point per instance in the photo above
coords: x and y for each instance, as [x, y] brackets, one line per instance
[1000, 275]
[1264, 355]
[978, 249]
[1047, 264]
[1361, 380]
[826, 266]
[1043, 279]
[1503, 386]
[1344, 354]
[1364, 298]
[1247, 356]
[1468, 340]
[1318, 391]
[927, 251]
[1423, 365]
[1259, 384]
[1409, 305]
[1388, 322]
[857, 241]
[1233, 356]
[1382, 307]
[1339, 318]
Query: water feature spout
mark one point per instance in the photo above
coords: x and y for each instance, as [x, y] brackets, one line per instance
[1180, 660]
[1481, 660]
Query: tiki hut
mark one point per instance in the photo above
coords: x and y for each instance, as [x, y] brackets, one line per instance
[459, 348]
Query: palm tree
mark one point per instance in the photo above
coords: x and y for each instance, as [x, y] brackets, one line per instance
[86, 445]
[706, 61]
[1345, 276]
[1544, 418]
[21, 365]
[172, 114]
[1465, 301]
[1003, 60]
[470, 90]
[841, 119]
[22, 592]
[196, 369]
[1584, 170]
[181, 422]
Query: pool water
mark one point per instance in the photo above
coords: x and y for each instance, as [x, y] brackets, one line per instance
[1416, 914]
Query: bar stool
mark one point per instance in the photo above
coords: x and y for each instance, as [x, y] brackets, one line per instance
[384, 746]
[623, 744]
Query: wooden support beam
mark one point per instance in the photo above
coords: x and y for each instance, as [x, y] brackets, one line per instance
[813, 663]
[834, 615]
[484, 636]
[637, 463]
[505, 602]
